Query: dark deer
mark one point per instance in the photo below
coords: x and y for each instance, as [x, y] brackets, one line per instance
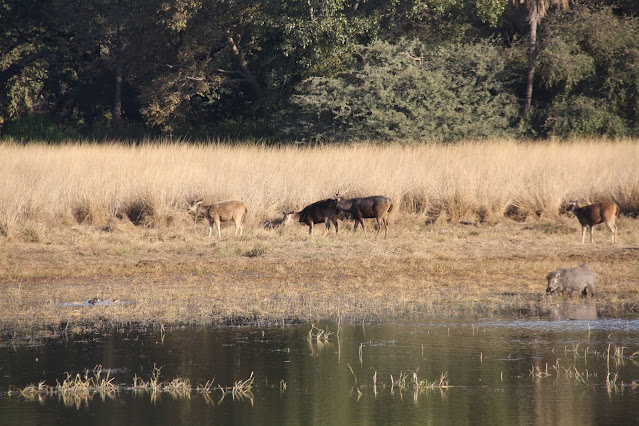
[376, 206]
[221, 211]
[324, 211]
[595, 214]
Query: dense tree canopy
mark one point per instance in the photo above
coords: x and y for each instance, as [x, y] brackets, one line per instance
[402, 90]
[422, 70]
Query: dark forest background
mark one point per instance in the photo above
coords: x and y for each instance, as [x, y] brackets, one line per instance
[310, 70]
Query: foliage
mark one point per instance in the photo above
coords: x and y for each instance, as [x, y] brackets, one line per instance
[404, 91]
[581, 115]
[24, 25]
[218, 66]
[38, 127]
[589, 66]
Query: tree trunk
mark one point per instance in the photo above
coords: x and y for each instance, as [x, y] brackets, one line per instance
[532, 56]
[246, 72]
[116, 120]
[354, 8]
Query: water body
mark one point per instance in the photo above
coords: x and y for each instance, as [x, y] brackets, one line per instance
[496, 372]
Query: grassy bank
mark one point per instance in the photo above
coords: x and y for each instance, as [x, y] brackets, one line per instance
[475, 232]
[181, 276]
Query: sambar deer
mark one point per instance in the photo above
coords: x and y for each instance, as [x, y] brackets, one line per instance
[595, 214]
[221, 211]
[323, 211]
[376, 206]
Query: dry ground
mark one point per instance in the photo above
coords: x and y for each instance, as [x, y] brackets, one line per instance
[176, 275]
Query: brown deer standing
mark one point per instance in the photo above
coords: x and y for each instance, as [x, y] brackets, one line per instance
[595, 214]
[376, 206]
[221, 211]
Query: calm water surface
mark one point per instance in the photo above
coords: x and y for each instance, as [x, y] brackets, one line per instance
[499, 372]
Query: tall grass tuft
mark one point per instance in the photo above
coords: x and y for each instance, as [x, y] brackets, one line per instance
[150, 184]
[79, 389]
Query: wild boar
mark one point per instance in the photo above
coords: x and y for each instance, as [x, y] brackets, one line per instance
[581, 278]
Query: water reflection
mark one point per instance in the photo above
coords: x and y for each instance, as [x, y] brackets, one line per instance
[501, 371]
[572, 311]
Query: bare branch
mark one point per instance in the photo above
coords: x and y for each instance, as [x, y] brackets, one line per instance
[414, 58]
[233, 72]
[15, 69]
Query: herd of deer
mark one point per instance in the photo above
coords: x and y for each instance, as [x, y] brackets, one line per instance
[323, 211]
[375, 207]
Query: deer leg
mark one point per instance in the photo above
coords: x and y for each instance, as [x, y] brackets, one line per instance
[217, 225]
[591, 233]
[210, 228]
[335, 223]
[355, 226]
[238, 225]
[583, 234]
[613, 229]
[328, 227]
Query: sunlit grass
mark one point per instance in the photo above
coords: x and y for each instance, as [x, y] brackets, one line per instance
[150, 184]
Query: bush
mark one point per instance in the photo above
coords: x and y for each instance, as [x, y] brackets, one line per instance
[402, 92]
[37, 127]
[589, 74]
[581, 116]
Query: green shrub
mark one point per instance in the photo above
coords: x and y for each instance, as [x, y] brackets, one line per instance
[588, 70]
[583, 116]
[403, 92]
[40, 127]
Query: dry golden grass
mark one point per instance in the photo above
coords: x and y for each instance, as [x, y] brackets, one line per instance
[181, 276]
[68, 232]
[58, 186]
